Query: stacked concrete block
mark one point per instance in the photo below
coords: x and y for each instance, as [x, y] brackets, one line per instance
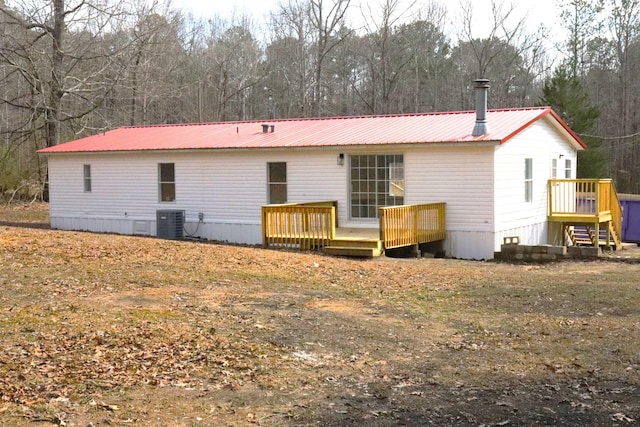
[512, 250]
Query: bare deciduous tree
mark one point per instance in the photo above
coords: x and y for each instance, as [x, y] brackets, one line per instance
[582, 21]
[73, 67]
[624, 27]
[387, 54]
[59, 61]
[288, 59]
[509, 55]
[327, 17]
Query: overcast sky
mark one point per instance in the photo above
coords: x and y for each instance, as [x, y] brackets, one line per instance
[537, 11]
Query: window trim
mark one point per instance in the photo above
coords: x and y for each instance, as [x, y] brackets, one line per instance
[528, 180]
[86, 178]
[568, 169]
[283, 184]
[162, 184]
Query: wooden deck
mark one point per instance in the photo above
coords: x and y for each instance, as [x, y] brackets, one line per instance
[589, 204]
[303, 225]
[358, 233]
[410, 225]
[314, 226]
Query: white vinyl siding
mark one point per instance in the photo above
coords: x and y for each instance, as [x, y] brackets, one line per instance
[212, 182]
[459, 176]
[542, 143]
[462, 177]
[482, 186]
[228, 188]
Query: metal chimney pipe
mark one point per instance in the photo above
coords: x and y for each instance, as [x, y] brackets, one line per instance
[482, 89]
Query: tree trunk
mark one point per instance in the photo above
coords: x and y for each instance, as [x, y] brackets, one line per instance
[56, 92]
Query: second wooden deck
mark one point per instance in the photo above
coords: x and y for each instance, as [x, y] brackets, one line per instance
[589, 204]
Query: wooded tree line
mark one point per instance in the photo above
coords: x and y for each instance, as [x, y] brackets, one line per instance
[71, 68]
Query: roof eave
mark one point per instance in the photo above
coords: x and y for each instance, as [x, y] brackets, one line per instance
[564, 128]
[462, 143]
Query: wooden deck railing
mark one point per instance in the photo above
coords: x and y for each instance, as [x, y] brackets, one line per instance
[608, 192]
[584, 200]
[583, 197]
[306, 225]
[412, 224]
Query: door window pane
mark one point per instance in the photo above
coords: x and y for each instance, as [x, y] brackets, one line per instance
[375, 181]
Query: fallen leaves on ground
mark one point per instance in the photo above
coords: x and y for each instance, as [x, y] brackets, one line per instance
[102, 329]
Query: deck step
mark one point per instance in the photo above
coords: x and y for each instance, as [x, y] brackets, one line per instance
[354, 242]
[353, 251]
[582, 235]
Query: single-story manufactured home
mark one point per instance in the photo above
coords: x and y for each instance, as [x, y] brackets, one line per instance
[489, 171]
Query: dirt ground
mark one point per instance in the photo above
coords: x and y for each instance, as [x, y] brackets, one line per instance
[107, 330]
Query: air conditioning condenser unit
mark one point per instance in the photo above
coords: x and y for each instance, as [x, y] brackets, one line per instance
[170, 224]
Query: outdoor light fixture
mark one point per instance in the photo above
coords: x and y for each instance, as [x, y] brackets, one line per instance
[341, 159]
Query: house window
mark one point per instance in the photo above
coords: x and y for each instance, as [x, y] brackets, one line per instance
[87, 178]
[167, 182]
[376, 181]
[528, 180]
[277, 182]
[567, 168]
[554, 168]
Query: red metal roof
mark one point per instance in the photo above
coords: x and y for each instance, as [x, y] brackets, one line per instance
[322, 132]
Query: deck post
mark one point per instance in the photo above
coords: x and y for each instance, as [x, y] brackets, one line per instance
[415, 230]
[597, 236]
[383, 224]
[550, 201]
[334, 223]
[265, 243]
[608, 244]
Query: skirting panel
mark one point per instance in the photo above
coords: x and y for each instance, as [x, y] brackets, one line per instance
[97, 225]
[482, 245]
[242, 233]
[479, 245]
[531, 234]
[469, 244]
[232, 232]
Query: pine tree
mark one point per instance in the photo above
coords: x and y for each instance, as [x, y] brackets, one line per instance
[565, 94]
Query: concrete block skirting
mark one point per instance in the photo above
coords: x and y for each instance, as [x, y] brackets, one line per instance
[544, 253]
